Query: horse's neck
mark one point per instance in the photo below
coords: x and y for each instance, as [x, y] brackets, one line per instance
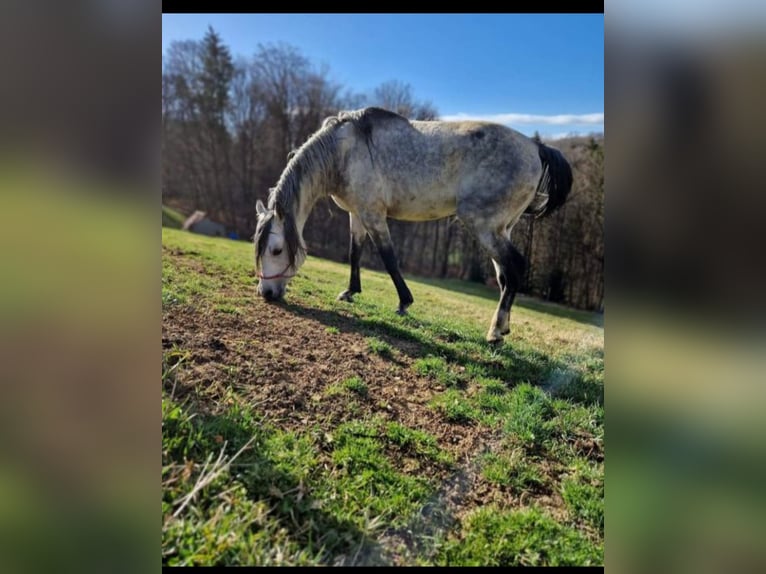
[310, 194]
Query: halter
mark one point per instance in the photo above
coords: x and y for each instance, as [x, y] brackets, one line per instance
[280, 275]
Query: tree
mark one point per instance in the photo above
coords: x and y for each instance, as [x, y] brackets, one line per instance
[278, 70]
[215, 83]
[215, 80]
[398, 97]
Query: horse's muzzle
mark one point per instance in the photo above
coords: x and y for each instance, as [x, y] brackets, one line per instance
[271, 294]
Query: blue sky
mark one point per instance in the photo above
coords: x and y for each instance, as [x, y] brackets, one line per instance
[532, 72]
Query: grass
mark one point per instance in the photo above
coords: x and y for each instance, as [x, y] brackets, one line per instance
[455, 408]
[363, 464]
[513, 470]
[379, 347]
[438, 369]
[350, 385]
[496, 537]
[583, 493]
[417, 442]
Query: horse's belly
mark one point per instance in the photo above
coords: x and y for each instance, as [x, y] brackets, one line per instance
[422, 207]
[429, 213]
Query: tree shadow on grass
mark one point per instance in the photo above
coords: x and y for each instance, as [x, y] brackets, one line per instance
[331, 540]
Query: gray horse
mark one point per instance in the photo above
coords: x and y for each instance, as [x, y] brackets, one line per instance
[376, 164]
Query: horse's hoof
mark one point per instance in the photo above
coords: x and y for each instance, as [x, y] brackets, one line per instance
[402, 311]
[494, 337]
[346, 296]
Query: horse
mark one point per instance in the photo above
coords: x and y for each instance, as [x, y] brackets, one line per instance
[376, 164]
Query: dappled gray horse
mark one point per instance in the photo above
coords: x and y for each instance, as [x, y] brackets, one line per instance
[377, 164]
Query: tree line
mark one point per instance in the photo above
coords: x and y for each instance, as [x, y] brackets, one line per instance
[229, 122]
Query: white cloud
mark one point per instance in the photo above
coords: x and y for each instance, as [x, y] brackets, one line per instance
[527, 119]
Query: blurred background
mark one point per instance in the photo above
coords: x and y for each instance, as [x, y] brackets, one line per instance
[685, 358]
[79, 311]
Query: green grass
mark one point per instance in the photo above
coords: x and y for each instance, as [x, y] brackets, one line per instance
[367, 482]
[493, 537]
[514, 470]
[350, 385]
[362, 468]
[438, 369]
[417, 442]
[455, 408]
[532, 417]
[379, 347]
[583, 492]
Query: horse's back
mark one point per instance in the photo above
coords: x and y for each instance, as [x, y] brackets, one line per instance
[451, 151]
[423, 170]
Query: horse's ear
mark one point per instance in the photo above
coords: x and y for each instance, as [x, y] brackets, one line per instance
[260, 209]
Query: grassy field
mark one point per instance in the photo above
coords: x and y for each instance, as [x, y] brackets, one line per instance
[321, 432]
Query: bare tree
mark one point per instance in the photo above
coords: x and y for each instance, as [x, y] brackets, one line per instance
[279, 70]
[398, 97]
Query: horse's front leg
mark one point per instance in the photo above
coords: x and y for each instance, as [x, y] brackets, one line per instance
[378, 230]
[358, 236]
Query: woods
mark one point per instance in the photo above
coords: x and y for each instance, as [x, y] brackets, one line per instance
[228, 123]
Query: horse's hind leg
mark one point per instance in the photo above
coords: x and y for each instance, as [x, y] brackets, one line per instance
[381, 237]
[509, 266]
[358, 236]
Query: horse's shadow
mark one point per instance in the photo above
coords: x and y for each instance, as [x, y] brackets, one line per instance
[504, 362]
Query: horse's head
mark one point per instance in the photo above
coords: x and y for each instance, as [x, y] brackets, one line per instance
[278, 252]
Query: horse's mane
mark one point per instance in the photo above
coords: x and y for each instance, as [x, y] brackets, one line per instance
[315, 158]
[365, 119]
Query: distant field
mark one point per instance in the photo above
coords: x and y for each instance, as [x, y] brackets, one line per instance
[321, 432]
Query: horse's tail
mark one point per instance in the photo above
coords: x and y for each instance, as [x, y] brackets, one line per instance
[555, 182]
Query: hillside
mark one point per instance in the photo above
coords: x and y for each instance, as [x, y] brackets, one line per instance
[319, 432]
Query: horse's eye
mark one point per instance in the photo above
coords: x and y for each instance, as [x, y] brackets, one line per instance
[276, 251]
